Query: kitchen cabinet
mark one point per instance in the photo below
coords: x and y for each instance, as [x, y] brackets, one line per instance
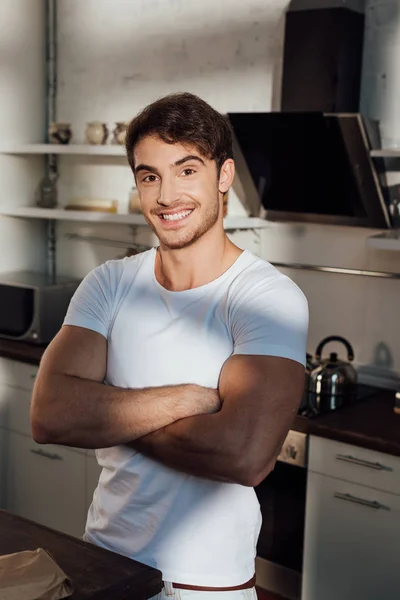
[46, 484]
[352, 530]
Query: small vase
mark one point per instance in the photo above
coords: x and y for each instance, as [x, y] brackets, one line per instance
[59, 133]
[119, 132]
[46, 192]
[96, 132]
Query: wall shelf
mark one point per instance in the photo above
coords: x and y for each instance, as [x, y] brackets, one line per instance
[389, 240]
[386, 153]
[66, 149]
[59, 214]
[118, 150]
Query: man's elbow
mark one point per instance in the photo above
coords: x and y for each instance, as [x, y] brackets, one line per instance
[42, 424]
[253, 479]
[42, 433]
[251, 474]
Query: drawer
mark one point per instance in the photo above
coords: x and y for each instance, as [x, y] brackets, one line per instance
[46, 484]
[351, 463]
[351, 542]
[18, 404]
[25, 375]
[15, 412]
[7, 371]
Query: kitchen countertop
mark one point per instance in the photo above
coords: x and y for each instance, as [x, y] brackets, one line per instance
[95, 573]
[371, 423]
[22, 351]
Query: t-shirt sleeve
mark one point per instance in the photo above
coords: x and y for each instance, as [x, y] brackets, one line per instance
[271, 319]
[91, 305]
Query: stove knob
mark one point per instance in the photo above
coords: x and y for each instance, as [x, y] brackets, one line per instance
[291, 452]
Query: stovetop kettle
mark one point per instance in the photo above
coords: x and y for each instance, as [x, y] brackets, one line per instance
[333, 379]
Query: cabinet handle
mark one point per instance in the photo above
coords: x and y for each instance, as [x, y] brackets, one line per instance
[369, 503]
[41, 452]
[362, 463]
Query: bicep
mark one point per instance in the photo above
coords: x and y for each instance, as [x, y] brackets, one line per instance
[80, 347]
[259, 385]
[263, 381]
[75, 352]
[261, 396]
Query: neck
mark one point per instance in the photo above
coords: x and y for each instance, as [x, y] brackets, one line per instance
[196, 265]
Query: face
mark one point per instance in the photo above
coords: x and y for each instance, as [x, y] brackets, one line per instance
[179, 190]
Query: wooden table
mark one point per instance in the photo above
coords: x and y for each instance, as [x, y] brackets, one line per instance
[96, 574]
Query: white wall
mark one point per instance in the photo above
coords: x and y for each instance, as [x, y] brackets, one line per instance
[116, 56]
[113, 62]
[381, 72]
[21, 120]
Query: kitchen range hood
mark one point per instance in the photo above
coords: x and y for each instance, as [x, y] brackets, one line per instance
[310, 167]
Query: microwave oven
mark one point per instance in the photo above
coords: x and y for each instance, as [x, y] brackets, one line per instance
[33, 305]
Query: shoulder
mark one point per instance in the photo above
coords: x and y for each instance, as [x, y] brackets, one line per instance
[261, 281]
[114, 275]
[268, 312]
[94, 302]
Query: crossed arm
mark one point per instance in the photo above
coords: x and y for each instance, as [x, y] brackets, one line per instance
[184, 427]
[260, 397]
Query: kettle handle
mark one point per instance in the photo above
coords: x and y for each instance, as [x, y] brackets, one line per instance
[334, 338]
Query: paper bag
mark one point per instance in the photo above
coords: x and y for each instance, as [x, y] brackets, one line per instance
[32, 575]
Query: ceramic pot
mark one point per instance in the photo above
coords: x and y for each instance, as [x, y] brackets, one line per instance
[119, 132]
[96, 132]
[59, 133]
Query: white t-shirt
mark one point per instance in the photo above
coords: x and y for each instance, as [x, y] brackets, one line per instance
[196, 531]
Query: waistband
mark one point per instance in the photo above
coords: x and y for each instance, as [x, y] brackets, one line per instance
[183, 586]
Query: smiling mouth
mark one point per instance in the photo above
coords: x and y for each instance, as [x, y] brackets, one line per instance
[178, 216]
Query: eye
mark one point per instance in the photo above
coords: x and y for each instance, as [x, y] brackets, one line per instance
[188, 171]
[149, 179]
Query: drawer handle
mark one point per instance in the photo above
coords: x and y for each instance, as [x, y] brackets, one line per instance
[45, 454]
[369, 503]
[362, 463]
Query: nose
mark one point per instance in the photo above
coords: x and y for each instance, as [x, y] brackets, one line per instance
[168, 192]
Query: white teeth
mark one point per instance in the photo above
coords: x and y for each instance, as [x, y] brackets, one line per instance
[176, 216]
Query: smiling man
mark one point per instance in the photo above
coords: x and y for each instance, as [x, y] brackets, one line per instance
[183, 366]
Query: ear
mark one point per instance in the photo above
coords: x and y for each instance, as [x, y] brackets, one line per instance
[226, 175]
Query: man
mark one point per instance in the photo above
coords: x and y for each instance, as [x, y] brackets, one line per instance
[183, 366]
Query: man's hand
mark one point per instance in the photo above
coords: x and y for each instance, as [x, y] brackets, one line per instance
[202, 400]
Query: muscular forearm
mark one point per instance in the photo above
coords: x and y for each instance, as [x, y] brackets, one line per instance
[77, 412]
[240, 443]
[200, 445]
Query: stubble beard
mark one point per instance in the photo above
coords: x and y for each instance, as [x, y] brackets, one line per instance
[176, 240]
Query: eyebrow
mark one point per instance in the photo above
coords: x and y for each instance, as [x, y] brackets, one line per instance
[187, 158]
[178, 163]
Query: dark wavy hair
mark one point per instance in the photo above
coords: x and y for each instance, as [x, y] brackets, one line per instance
[186, 119]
